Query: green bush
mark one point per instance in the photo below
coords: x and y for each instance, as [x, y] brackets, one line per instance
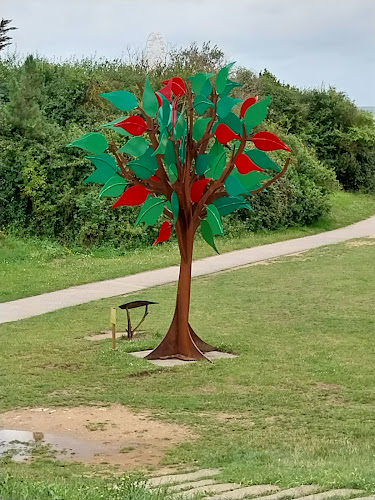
[298, 198]
[46, 105]
[342, 135]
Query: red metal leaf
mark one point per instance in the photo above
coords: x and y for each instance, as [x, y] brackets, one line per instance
[178, 85]
[155, 178]
[197, 189]
[245, 165]
[164, 233]
[135, 125]
[225, 134]
[135, 195]
[246, 105]
[167, 90]
[158, 97]
[267, 141]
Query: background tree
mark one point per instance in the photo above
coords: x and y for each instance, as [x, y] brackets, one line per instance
[194, 167]
[4, 30]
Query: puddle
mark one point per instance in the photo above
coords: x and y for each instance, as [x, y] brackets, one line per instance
[22, 444]
[90, 434]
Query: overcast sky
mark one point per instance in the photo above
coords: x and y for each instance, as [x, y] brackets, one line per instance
[303, 42]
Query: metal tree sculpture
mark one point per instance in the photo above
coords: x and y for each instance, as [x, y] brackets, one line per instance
[194, 167]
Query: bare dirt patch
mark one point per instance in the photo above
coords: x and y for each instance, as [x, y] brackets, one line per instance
[361, 242]
[120, 436]
[107, 334]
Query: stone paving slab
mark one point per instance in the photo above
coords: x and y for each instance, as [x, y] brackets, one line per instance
[297, 491]
[180, 478]
[106, 334]
[214, 488]
[47, 302]
[203, 482]
[258, 489]
[192, 484]
[343, 492]
[180, 362]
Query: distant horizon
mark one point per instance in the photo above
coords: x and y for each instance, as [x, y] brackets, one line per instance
[371, 109]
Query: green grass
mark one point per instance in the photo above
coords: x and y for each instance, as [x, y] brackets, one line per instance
[30, 267]
[61, 486]
[296, 406]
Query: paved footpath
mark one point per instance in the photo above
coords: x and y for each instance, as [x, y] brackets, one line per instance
[72, 296]
[204, 482]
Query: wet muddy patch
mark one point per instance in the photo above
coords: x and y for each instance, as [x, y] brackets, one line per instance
[93, 435]
[22, 445]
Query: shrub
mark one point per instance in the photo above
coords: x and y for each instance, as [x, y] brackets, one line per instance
[45, 105]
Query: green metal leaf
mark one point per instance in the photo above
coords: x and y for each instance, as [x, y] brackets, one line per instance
[117, 120]
[234, 186]
[217, 148]
[180, 129]
[201, 104]
[122, 99]
[256, 113]
[150, 102]
[208, 235]
[225, 104]
[163, 141]
[199, 128]
[262, 159]
[172, 173]
[170, 154]
[165, 113]
[182, 150]
[252, 180]
[93, 141]
[106, 167]
[150, 211]
[228, 204]
[175, 205]
[207, 88]
[217, 165]
[230, 86]
[145, 166]
[202, 162]
[233, 122]
[199, 81]
[136, 146]
[120, 130]
[214, 220]
[115, 186]
[222, 77]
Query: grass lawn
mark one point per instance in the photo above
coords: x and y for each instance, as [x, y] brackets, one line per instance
[30, 267]
[297, 405]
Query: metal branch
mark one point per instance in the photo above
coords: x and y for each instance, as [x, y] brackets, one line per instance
[150, 184]
[203, 142]
[274, 179]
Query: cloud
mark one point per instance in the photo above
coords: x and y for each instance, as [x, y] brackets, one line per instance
[304, 42]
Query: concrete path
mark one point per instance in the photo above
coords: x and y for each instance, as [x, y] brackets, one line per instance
[47, 302]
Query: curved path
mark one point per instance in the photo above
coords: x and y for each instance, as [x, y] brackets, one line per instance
[47, 302]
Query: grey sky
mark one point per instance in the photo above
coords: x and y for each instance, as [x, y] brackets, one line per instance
[303, 42]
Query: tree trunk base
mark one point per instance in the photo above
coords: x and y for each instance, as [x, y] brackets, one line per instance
[181, 345]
